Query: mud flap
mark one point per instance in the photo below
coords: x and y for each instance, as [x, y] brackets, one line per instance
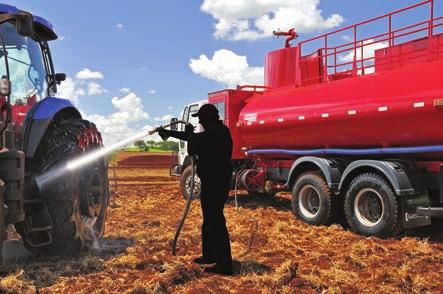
[409, 204]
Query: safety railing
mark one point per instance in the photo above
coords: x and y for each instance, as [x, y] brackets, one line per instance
[357, 56]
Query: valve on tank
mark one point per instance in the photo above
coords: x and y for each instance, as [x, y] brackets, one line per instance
[291, 34]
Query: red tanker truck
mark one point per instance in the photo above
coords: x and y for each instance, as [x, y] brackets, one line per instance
[352, 125]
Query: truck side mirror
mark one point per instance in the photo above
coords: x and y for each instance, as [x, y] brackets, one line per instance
[174, 127]
[60, 77]
[25, 24]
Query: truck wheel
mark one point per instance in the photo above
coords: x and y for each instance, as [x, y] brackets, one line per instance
[76, 200]
[185, 184]
[312, 199]
[371, 207]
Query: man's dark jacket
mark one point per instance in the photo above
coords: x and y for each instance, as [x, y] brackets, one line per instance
[213, 148]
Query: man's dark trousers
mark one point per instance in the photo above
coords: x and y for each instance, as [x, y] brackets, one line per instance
[215, 237]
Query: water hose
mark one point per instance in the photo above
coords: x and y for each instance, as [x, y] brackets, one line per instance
[191, 192]
[186, 210]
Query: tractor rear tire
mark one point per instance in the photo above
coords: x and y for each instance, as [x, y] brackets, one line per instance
[185, 184]
[312, 200]
[76, 200]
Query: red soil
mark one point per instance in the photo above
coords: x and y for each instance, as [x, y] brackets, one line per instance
[144, 159]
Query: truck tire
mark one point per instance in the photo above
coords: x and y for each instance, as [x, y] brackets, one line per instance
[185, 184]
[77, 200]
[371, 207]
[312, 199]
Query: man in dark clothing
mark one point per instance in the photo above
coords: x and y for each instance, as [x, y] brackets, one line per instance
[213, 148]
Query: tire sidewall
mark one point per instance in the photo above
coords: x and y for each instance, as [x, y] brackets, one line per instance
[100, 167]
[387, 224]
[323, 215]
[187, 174]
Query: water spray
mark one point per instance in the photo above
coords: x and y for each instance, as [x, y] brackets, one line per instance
[74, 164]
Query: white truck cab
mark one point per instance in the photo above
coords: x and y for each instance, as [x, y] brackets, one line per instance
[181, 162]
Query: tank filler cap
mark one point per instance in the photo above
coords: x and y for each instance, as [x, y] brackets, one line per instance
[291, 34]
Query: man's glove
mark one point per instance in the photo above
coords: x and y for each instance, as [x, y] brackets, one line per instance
[163, 133]
[189, 128]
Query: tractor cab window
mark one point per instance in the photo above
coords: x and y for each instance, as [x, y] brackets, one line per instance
[26, 67]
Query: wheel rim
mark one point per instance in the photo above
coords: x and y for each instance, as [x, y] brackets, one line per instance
[309, 201]
[369, 207]
[197, 184]
[91, 200]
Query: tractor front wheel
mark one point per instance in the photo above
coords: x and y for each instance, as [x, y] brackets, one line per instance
[75, 199]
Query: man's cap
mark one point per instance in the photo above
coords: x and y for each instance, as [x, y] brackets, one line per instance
[206, 110]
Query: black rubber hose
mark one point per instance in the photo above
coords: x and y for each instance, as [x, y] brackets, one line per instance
[186, 210]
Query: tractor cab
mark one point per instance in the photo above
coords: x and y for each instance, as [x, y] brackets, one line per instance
[26, 71]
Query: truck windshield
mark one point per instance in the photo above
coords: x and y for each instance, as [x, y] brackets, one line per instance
[26, 67]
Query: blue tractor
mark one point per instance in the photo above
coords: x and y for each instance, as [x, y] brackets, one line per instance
[40, 133]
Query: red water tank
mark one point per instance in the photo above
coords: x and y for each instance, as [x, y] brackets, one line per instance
[392, 108]
[280, 67]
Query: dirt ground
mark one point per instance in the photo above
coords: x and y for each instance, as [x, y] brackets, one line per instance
[273, 252]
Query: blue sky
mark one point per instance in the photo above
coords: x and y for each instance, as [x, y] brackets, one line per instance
[145, 47]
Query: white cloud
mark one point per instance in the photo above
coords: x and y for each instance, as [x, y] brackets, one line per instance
[255, 19]
[70, 89]
[117, 125]
[227, 68]
[125, 90]
[95, 89]
[87, 74]
[346, 38]
[119, 26]
[369, 48]
[164, 118]
[152, 92]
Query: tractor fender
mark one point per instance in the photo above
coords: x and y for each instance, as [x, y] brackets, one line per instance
[38, 119]
[330, 169]
[404, 179]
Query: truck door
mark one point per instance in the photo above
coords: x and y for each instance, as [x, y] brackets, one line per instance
[188, 111]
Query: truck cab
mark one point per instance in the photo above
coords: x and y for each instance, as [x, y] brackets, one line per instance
[181, 160]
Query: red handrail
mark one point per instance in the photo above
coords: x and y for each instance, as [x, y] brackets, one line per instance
[358, 63]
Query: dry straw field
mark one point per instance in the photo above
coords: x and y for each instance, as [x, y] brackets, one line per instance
[273, 252]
